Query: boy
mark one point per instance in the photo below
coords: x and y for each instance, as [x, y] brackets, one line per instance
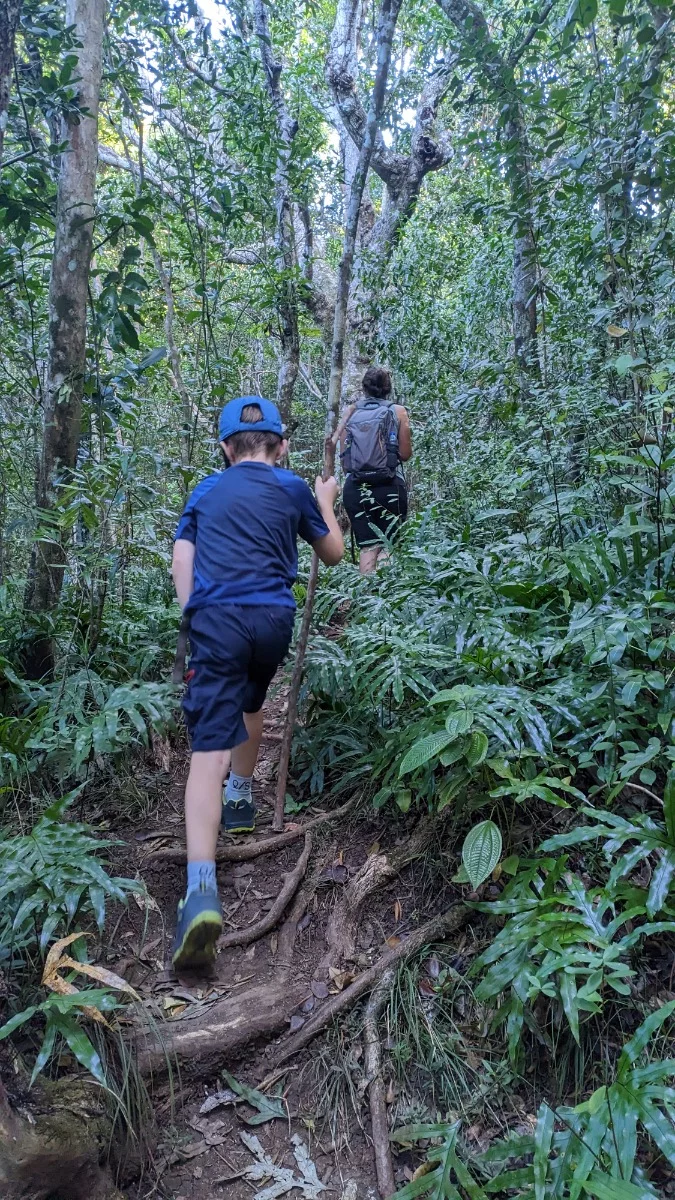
[234, 564]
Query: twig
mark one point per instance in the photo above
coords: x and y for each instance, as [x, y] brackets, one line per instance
[244, 937]
[636, 787]
[373, 1067]
[293, 694]
[434, 930]
[245, 851]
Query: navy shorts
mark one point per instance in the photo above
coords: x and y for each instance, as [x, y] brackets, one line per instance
[234, 654]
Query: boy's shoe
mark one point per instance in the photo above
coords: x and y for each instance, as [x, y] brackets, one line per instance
[238, 816]
[200, 921]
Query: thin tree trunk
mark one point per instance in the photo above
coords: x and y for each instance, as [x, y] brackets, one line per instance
[497, 70]
[387, 25]
[10, 11]
[174, 360]
[284, 240]
[75, 209]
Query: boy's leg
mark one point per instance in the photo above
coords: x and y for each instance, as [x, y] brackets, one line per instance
[213, 710]
[238, 810]
[203, 792]
[245, 757]
[271, 631]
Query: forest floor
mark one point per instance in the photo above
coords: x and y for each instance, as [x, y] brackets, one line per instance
[201, 1155]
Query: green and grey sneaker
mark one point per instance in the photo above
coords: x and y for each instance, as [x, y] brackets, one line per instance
[238, 816]
[200, 921]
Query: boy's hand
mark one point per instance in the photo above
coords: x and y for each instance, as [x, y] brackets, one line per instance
[327, 491]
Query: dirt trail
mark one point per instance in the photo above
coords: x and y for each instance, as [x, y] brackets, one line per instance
[202, 1155]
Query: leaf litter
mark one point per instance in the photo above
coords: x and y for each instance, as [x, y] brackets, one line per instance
[284, 1179]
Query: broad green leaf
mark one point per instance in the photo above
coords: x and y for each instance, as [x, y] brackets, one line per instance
[669, 805]
[423, 751]
[481, 852]
[79, 1043]
[269, 1108]
[604, 1187]
[45, 1051]
[17, 1021]
[459, 722]
[543, 1137]
[478, 748]
[642, 1036]
[662, 877]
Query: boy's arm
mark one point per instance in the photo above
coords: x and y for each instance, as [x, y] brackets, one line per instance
[331, 546]
[182, 569]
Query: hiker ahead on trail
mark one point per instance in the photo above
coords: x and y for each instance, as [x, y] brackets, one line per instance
[234, 565]
[375, 438]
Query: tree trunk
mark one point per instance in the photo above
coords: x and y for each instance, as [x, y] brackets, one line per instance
[385, 34]
[497, 71]
[75, 210]
[9, 20]
[524, 276]
[284, 240]
[401, 174]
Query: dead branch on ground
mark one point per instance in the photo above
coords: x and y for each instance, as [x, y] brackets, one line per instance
[373, 1066]
[246, 851]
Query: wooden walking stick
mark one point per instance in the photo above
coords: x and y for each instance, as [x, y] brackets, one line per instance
[387, 24]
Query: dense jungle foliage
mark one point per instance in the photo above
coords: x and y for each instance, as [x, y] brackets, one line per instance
[511, 667]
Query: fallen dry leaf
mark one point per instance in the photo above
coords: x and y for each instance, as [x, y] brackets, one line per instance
[56, 961]
[145, 902]
[393, 942]
[398, 911]
[340, 978]
[374, 849]
[219, 1100]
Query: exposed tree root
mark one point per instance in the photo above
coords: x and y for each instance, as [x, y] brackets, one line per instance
[377, 871]
[376, 1095]
[289, 929]
[202, 1045]
[60, 1152]
[245, 851]
[432, 931]
[244, 937]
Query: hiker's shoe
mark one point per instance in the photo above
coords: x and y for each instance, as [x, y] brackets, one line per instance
[200, 921]
[238, 816]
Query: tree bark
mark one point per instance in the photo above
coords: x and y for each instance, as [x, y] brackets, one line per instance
[284, 240]
[10, 10]
[185, 434]
[75, 210]
[401, 174]
[498, 73]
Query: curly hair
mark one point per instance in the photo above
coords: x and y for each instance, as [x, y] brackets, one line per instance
[376, 383]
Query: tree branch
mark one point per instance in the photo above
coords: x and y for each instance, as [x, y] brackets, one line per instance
[517, 53]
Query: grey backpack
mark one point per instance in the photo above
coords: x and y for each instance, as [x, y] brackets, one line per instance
[370, 453]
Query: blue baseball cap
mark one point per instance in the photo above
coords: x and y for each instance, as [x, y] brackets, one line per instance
[231, 422]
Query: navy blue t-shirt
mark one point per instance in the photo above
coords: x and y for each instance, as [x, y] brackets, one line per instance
[245, 523]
